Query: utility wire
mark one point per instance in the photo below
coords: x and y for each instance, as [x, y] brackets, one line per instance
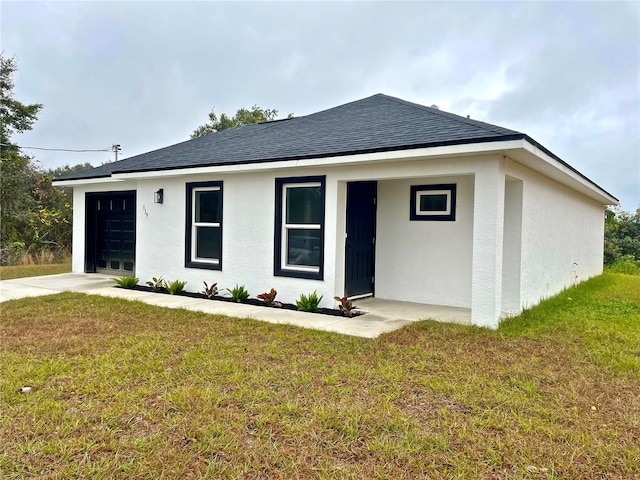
[109, 149]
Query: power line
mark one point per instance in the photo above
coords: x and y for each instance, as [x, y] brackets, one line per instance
[109, 149]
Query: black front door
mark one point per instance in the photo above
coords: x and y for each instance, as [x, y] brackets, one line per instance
[360, 241]
[111, 235]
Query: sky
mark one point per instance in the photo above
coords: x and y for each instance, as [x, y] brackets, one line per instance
[145, 74]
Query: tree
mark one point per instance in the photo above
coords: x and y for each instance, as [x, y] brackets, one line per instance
[621, 236]
[52, 218]
[242, 117]
[35, 217]
[68, 169]
[16, 116]
[18, 170]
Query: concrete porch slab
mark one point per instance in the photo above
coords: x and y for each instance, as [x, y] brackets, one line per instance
[411, 312]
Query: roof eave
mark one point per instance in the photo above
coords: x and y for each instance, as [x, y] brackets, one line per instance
[536, 157]
[76, 182]
[520, 147]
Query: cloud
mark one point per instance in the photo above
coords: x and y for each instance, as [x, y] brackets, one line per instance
[145, 74]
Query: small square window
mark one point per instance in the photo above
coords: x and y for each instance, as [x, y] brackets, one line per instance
[433, 202]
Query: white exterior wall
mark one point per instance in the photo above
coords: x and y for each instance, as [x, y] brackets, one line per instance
[512, 247]
[443, 248]
[248, 231]
[79, 204]
[78, 233]
[488, 243]
[560, 228]
[424, 261]
[473, 262]
[247, 236]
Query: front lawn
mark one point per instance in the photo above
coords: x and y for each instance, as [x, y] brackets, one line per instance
[126, 390]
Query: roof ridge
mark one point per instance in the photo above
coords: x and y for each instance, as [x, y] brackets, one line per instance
[275, 120]
[341, 105]
[436, 111]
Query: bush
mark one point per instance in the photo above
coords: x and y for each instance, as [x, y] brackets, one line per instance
[346, 306]
[17, 253]
[269, 298]
[156, 283]
[238, 293]
[621, 236]
[174, 287]
[309, 303]
[626, 265]
[210, 290]
[126, 282]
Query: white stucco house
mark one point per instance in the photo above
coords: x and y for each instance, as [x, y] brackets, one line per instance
[378, 197]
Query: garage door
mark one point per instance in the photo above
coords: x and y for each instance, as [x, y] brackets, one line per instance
[111, 235]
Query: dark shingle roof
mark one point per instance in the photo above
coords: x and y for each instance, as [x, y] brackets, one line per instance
[374, 124]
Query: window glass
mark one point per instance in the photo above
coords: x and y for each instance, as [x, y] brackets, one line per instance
[304, 205]
[433, 203]
[207, 206]
[208, 242]
[303, 247]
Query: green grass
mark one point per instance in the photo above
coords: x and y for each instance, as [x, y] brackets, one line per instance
[22, 271]
[126, 390]
[600, 318]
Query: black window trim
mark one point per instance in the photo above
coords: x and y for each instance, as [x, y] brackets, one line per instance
[188, 262]
[416, 189]
[278, 270]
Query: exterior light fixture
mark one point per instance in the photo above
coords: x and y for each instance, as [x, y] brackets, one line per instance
[158, 196]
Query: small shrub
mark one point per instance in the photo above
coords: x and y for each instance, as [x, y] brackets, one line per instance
[14, 253]
[269, 298]
[126, 282]
[44, 256]
[17, 253]
[346, 306]
[210, 291]
[174, 287]
[626, 265]
[309, 303]
[156, 283]
[238, 293]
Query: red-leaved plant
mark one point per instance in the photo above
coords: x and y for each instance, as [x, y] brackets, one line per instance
[156, 283]
[269, 298]
[346, 306]
[210, 290]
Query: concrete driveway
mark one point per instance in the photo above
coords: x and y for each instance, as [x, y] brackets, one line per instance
[49, 284]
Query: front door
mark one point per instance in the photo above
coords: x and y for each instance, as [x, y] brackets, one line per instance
[360, 241]
[111, 235]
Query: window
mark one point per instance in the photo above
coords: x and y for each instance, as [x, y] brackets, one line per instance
[204, 225]
[433, 202]
[299, 227]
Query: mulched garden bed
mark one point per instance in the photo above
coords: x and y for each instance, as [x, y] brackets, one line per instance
[249, 301]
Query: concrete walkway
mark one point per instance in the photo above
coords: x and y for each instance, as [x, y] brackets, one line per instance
[381, 315]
